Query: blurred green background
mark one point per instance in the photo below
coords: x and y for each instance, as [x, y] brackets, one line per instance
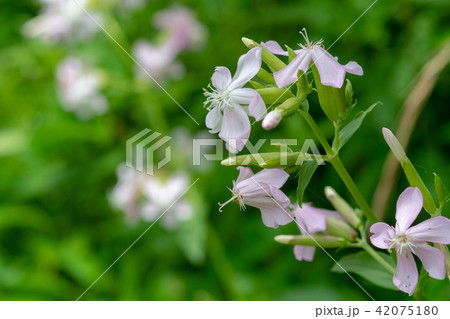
[59, 232]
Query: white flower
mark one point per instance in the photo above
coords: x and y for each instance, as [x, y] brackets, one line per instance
[62, 20]
[229, 103]
[78, 87]
[408, 240]
[184, 31]
[146, 197]
[262, 190]
[158, 61]
[163, 196]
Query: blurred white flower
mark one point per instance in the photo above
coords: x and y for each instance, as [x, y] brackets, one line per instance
[159, 61]
[78, 87]
[62, 20]
[183, 30]
[180, 32]
[146, 197]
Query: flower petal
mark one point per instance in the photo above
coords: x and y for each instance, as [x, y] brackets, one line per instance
[244, 173]
[406, 275]
[304, 252]
[274, 47]
[382, 235]
[214, 120]
[221, 78]
[250, 97]
[409, 205]
[248, 65]
[353, 68]
[273, 215]
[288, 75]
[272, 176]
[331, 72]
[310, 219]
[432, 260]
[436, 230]
[235, 128]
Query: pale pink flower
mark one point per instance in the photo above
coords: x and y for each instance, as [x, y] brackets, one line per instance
[409, 240]
[310, 220]
[79, 88]
[262, 190]
[331, 72]
[146, 197]
[183, 30]
[157, 60]
[229, 103]
[62, 20]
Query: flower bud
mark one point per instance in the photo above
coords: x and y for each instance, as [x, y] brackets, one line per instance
[410, 171]
[274, 63]
[348, 95]
[270, 160]
[340, 228]
[271, 120]
[394, 145]
[323, 241]
[342, 207]
[271, 95]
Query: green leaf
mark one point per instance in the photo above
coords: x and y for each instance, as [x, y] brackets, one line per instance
[291, 53]
[304, 176]
[365, 266]
[347, 132]
[440, 189]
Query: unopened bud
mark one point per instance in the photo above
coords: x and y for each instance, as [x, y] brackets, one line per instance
[270, 160]
[272, 95]
[271, 120]
[274, 63]
[348, 94]
[340, 228]
[342, 207]
[324, 241]
[410, 171]
[394, 145]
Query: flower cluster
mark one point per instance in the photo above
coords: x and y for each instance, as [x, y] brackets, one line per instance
[146, 197]
[255, 92]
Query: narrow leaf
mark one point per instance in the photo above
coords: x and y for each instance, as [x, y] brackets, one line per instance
[304, 176]
[440, 189]
[347, 132]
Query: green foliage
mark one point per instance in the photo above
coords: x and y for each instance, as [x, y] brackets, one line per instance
[362, 264]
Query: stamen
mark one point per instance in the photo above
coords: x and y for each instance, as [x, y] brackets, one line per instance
[309, 44]
[216, 97]
[228, 201]
[237, 197]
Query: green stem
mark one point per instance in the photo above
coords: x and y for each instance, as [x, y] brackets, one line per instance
[348, 181]
[364, 245]
[340, 169]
